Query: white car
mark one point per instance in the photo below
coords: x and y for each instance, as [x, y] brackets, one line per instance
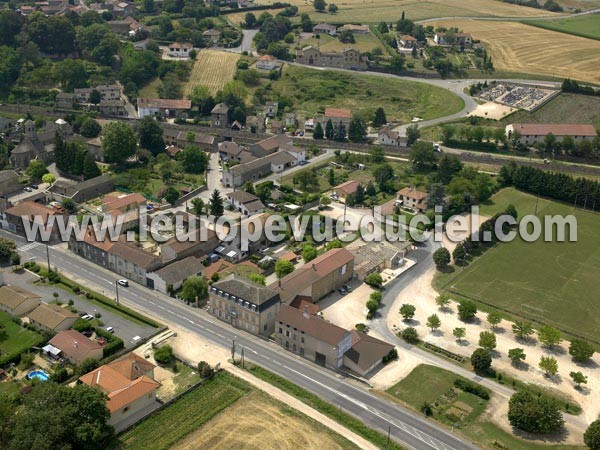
[123, 283]
[110, 329]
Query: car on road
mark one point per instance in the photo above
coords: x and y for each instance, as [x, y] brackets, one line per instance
[123, 283]
[110, 329]
[83, 314]
[27, 189]
[347, 287]
[303, 163]
[34, 186]
[88, 317]
[342, 291]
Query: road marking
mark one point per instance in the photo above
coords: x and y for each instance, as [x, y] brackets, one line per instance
[27, 247]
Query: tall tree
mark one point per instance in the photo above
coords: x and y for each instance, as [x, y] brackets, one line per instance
[193, 159]
[90, 168]
[151, 135]
[534, 414]
[216, 204]
[329, 130]
[357, 131]
[319, 5]
[380, 119]
[194, 288]
[412, 133]
[118, 142]
[318, 132]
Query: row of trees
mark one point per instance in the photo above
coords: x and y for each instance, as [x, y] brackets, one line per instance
[73, 158]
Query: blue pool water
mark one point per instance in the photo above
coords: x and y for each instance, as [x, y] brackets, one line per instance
[38, 375]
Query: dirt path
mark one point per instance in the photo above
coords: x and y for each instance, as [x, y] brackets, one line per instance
[422, 295]
[193, 349]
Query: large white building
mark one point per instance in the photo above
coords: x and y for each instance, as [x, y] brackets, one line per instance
[531, 133]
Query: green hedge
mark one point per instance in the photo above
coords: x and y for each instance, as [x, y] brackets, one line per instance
[114, 343]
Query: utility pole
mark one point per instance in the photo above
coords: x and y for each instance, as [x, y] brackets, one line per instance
[242, 357]
[117, 290]
[233, 351]
[48, 257]
[389, 432]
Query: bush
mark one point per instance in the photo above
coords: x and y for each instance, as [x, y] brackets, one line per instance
[392, 355]
[534, 414]
[410, 335]
[466, 310]
[164, 354]
[481, 360]
[82, 325]
[114, 343]
[87, 365]
[375, 280]
[591, 436]
[204, 369]
[60, 375]
[472, 388]
[441, 257]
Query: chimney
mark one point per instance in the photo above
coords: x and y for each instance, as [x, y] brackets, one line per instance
[305, 314]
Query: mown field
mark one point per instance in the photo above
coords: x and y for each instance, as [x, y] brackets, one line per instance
[212, 69]
[313, 90]
[516, 47]
[227, 413]
[586, 26]
[552, 282]
[374, 11]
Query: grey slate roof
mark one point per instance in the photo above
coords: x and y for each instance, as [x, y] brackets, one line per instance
[246, 290]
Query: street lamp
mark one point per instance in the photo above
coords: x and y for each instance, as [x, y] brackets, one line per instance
[117, 290]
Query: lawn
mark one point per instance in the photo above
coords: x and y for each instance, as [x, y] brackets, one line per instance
[517, 47]
[449, 401]
[364, 43]
[150, 89]
[585, 26]
[311, 91]
[550, 282]
[18, 339]
[375, 11]
[212, 69]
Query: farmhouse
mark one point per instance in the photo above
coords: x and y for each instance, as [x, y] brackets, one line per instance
[33, 212]
[371, 257]
[75, 347]
[391, 138]
[318, 278]
[162, 107]
[17, 301]
[311, 337]
[356, 29]
[366, 353]
[65, 100]
[129, 384]
[212, 35]
[255, 123]
[36, 145]
[171, 277]
[349, 58]
[531, 133]
[412, 198]
[230, 151]
[52, 317]
[345, 189]
[219, 116]
[459, 39]
[337, 116]
[325, 28]
[177, 50]
[407, 42]
[246, 203]
[244, 304]
[266, 62]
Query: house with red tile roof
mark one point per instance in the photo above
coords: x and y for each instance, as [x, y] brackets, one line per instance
[130, 387]
[75, 347]
[531, 133]
[345, 189]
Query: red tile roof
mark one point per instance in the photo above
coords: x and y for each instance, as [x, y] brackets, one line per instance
[338, 112]
[164, 103]
[311, 325]
[413, 193]
[349, 187]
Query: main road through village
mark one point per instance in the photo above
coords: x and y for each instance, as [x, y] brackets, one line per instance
[404, 426]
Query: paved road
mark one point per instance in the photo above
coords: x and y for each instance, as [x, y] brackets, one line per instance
[246, 45]
[404, 426]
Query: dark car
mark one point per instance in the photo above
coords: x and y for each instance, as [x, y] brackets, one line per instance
[342, 291]
[347, 287]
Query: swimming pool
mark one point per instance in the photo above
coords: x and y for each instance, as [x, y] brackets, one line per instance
[38, 375]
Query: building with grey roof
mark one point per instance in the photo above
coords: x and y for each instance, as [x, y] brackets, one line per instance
[245, 305]
[171, 277]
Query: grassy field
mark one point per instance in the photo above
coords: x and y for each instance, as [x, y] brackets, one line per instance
[586, 26]
[364, 43]
[222, 414]
[18, 339]
[375, 11]
[279, 427]
[452, 402]
[550, 282]
[150, 90]
[517, 47]
[212, 69]
[313, 90]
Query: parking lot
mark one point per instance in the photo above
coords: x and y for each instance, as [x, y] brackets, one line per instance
[123, 328]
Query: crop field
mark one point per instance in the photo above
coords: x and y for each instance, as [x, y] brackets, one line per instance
[212, 69]
[374, 11]
[312, 90]
[551, 282]
[516, 47]
[239, 17]
[364, 43]
[278, 427]
[585, 26]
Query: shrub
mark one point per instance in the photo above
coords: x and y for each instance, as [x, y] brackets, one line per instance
[60, 375]
[466, 310]
[164, 354]
[375, 280]
[114, 343]
[591, 436]
[481, 360]
[204, 369]
[472, 388]
[410, 335]
[392, 355]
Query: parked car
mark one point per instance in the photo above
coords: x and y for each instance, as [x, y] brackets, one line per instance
[110, 329]
[34, 186]
[303, 163]
[347, 287]
[342, 291]
[123, 283]
[83, 314]
[27, 189]
[88, 317]
[87, 333]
